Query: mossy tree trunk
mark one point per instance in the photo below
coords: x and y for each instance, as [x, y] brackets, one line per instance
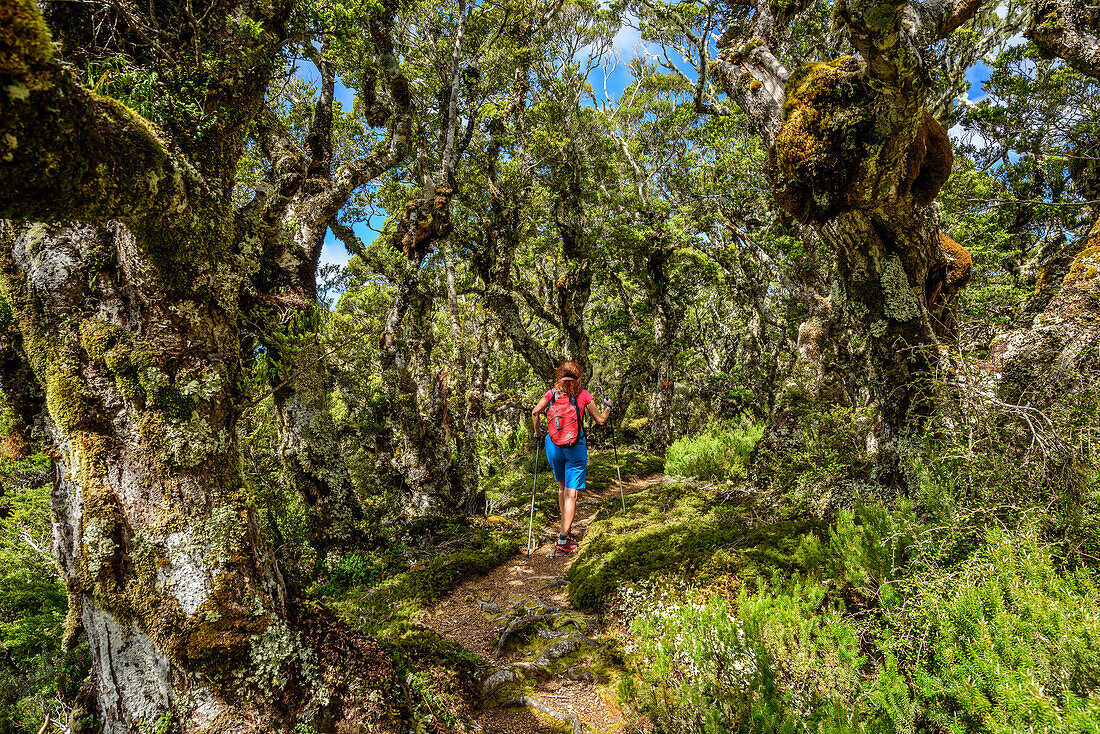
[854, 154]
[161, 552]
[131, 324]
[21, 388]
[418, 395]
[305, 193]
[574, 287]
[667, 326]
[1069, 30]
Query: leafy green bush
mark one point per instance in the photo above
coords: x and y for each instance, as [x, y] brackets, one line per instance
[719, 452]
[886, 623]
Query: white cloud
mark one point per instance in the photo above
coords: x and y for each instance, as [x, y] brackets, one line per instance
[628, 42]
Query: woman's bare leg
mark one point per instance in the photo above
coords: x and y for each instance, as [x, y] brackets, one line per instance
[567, 501]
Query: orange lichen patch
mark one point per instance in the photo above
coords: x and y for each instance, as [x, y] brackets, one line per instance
[935, 161]
[1086, 266]
[959, 262]
[948, 275]
[828, 120]
[16, 444]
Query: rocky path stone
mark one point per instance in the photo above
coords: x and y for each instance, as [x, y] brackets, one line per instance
[548, 656]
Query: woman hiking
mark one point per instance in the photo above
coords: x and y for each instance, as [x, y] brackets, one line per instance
[566, 447]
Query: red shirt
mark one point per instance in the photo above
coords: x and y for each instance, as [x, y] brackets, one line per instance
[582, 400]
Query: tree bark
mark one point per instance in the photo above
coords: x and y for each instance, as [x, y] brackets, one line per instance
[134, 335]
[289, 220]
[1056, 353]
[418, 395]
[854, 154]
[667, 318]
[1069, 30]
[160, 549]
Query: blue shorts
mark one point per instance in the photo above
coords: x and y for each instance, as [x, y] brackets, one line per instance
[570, 464]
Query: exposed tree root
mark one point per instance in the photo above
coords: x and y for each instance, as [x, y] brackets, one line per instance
[534, 703]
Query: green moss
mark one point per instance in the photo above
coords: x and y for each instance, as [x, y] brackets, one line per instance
[827, 132]
[1085, 265]
[24, 38]
[437, 667]
[101, 338]
[218, 637]
[674, 530]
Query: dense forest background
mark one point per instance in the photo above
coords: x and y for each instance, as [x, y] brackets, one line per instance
[280, 281]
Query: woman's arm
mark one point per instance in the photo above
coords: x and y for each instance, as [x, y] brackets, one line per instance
[536, 416]
[596, 415]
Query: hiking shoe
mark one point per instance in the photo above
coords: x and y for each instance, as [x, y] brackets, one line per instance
[564, 549]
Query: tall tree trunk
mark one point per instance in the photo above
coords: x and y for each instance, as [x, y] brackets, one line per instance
[574, 287]
[290, 220]
[135, 339]
[854, 153]
[494, 259]
[418, 395]
[158, 544]
[1058, 352]
[667, 326]
[284, 302]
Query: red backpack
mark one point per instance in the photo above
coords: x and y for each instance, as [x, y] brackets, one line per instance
[563, 419]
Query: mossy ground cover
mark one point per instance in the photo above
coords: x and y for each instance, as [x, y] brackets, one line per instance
[682, 530]
[442, 675]
[885, 619]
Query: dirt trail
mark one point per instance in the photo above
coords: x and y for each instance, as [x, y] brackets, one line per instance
[547, 644]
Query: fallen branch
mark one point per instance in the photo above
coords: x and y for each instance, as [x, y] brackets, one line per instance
[585, 676]
[561, 649]
[488, 607]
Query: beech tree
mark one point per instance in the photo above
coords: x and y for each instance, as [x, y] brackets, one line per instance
[855, 154]
[1057, 351]
[310, 178]
[131, 323]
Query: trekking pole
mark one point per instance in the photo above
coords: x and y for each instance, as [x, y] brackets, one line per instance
[614, 446]
[531, 522]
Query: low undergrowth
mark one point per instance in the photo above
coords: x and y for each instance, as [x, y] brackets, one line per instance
[719, 452]
[679, 530]
[971, 607]
[381, 592]
[441, 674]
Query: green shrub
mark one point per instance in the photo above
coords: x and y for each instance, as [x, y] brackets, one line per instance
[720, 452]
[885, 623]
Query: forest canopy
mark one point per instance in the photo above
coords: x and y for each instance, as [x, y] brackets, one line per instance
[281, 282]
